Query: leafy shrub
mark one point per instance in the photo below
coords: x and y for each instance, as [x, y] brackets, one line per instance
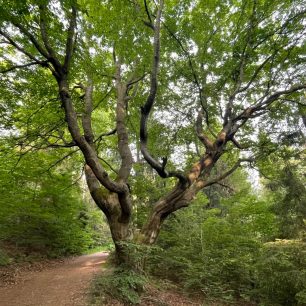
[4, 258]
[219, 266]
[122, 284]
[48, 216]
[214, 251]
[53, 229]
[281, 273]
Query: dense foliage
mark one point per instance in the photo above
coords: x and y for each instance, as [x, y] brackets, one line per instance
[44, 212]
[225, 252]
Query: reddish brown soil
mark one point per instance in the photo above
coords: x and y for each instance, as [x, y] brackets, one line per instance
[61, 284]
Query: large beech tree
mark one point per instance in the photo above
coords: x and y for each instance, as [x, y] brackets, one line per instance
[186, 83]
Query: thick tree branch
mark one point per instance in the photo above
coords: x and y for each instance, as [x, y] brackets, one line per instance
[203, 184]
[259, 108]
[21, 66]
[34, 41]
[89, 153]
[238, 144]
[150, 23]
[199, 130]
[146, 109]
[91, 157]
[86, 117]
[51, 54]
[95, 190]
[122, 133]
[21, 49]
[278, 94]
[67, 145]
[70, 39]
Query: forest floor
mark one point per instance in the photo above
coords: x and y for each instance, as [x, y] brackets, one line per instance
[66, 282]
[52, 283]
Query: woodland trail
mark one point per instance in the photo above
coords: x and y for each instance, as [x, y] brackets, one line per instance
[64, 285]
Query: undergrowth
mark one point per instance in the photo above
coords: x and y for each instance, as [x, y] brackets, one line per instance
[121, 284]
[4, 258]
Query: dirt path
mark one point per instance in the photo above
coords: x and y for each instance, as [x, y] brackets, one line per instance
[63, 285]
